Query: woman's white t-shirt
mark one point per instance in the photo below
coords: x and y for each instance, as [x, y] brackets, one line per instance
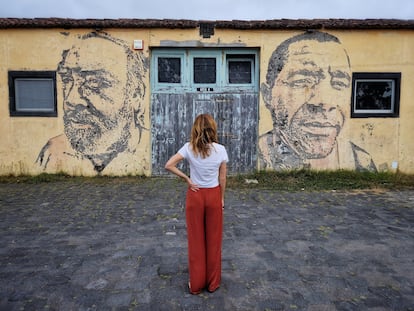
[204, 172]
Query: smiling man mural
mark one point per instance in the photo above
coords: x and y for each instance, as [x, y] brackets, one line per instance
[103, 91]
[307, 92]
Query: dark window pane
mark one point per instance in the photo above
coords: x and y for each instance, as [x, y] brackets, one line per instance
[204, 70]
[169, 70]
[374, 95]
[240, 72]
[34, 94]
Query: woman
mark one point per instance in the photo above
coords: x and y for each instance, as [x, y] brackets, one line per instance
[204, 202]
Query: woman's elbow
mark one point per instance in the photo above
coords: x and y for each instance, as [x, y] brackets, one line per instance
[168, 166]
[172, 162]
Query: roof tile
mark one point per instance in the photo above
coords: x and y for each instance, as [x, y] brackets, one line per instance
[69, 23]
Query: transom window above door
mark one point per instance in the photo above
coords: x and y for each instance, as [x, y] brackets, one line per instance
[204, 70]
[169, 70]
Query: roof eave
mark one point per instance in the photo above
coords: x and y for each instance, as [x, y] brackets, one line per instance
[275, 24]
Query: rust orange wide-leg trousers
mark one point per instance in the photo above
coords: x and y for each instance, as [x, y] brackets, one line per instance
[204, 216]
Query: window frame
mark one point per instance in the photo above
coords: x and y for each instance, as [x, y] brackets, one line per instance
[187, 55]
[33, 75]
[199, 86]
[165, 86]
[206, 66]
[180, 56]
[179, 71]
[380, 77]
[241, 57]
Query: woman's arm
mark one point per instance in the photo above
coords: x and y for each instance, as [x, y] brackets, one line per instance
[171, 166]
[222, 180]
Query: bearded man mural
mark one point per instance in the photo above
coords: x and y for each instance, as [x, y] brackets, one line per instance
[103, 91]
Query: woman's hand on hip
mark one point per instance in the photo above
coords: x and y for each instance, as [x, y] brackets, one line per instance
[194, 187]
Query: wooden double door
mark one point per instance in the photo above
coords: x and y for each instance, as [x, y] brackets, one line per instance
[223, 83]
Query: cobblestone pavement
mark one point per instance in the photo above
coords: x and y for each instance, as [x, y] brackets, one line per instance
[120, 244]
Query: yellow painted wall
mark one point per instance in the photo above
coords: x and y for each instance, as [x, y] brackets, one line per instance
[385, 140]
[388, 141]
[24, 137]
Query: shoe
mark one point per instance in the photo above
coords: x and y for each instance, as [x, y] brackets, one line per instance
[212, 291]
[191, 292]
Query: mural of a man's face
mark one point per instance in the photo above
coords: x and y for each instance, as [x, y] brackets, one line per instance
[310, 97]
[96, 114]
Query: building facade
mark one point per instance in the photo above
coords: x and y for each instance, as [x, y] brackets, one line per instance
[118, 97]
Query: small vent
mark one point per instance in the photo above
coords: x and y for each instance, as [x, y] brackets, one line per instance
[206, 30]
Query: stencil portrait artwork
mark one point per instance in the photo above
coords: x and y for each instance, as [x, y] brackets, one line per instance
[103, 93]
[307, 92]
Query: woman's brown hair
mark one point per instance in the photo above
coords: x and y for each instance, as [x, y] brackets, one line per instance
[203, 134]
